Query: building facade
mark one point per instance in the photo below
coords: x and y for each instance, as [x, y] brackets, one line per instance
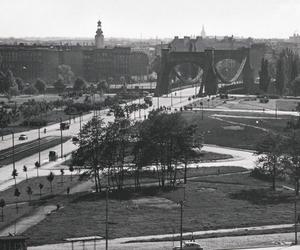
[93, 63]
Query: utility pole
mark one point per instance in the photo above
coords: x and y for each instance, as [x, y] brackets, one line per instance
[296, 218]
[61, 140]
[39, 134]
[140, 106]
[106, 218]
[13, 150]
[181, 218]
[80, 122]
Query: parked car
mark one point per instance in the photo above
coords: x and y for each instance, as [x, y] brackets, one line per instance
[53, 155]
[64, 125]
[75, 139]
[189, 245]
[23, 137]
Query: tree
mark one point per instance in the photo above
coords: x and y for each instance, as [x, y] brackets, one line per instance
[40, 85]
[30, 90]
[291, 159]
[270, 149]
[90, 151]
[79, 84]
[37, 166]
[4, 83]
[102, 86]
[17, 193]
[2, 205]
[264, 77]
[20, 83]
[29, 192]
[62, 172]
[50, 178]
[295, 85]
[4, 119]
[13, 87]
[71, 169]
[59, 85]
[14, 174]
[41, 186]
[65, 74]
[25, 171]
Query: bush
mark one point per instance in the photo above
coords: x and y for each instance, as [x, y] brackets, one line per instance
[260, 174]
[35, 123]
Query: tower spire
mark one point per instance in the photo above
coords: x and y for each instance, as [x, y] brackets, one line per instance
[203, 34]
[99, 38]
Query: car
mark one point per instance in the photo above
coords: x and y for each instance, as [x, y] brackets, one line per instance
[23, 137]
[75, 139]
[53, 155]
[64, 125]
[189, 245]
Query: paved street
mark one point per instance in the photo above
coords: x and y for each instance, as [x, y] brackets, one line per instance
[259, 242]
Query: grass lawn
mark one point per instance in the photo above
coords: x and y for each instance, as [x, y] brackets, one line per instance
[36, 200]
[212, 202]
[52, 117]
[216, 131]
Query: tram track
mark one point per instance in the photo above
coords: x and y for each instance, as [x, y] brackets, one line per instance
[29, 148]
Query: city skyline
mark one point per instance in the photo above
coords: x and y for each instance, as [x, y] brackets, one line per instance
[141, 19]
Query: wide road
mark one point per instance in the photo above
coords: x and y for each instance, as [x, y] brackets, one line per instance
[175, 100]
[258, 242]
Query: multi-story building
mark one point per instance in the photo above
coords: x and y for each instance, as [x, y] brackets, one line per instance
[93, 63]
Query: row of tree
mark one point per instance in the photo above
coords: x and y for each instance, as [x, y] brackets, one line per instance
[279, 158]
[109, 152]
[287, 70]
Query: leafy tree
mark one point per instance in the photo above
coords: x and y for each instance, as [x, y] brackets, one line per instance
[90, 151]
[50, 178]
[20, 83]
[65, 74]
[25, 171]
[265, 78]
[62, 172]
[59, 85]
[291, 159]
[2, 205]
[71, 169]
[14, 174]
[29, 192]
[41, 186]
[295, 85]
[30, 90]
[79, 84]
[102, 86]
[40, 85]
[37, 165]
[270, 149]
[4, 119]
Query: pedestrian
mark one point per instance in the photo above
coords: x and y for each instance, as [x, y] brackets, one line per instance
[68, 190]
[45, 130]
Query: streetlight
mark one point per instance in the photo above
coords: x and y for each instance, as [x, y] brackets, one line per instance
[201, 104]
[106, 216]
[39, 137]
[61, 139]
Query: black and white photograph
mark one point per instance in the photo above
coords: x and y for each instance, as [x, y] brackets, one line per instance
[149, 125]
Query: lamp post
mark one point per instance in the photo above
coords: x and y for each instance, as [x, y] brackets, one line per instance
[106, 217]
[39, 136]
[61, 139]
[296, 217]
[13, 150]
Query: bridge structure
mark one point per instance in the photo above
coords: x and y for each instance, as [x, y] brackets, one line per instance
[207, 61]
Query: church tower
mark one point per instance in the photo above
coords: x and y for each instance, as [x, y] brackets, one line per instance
[203, 34]
[99, 38]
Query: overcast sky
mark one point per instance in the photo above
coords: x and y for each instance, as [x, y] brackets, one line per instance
[149, 18]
